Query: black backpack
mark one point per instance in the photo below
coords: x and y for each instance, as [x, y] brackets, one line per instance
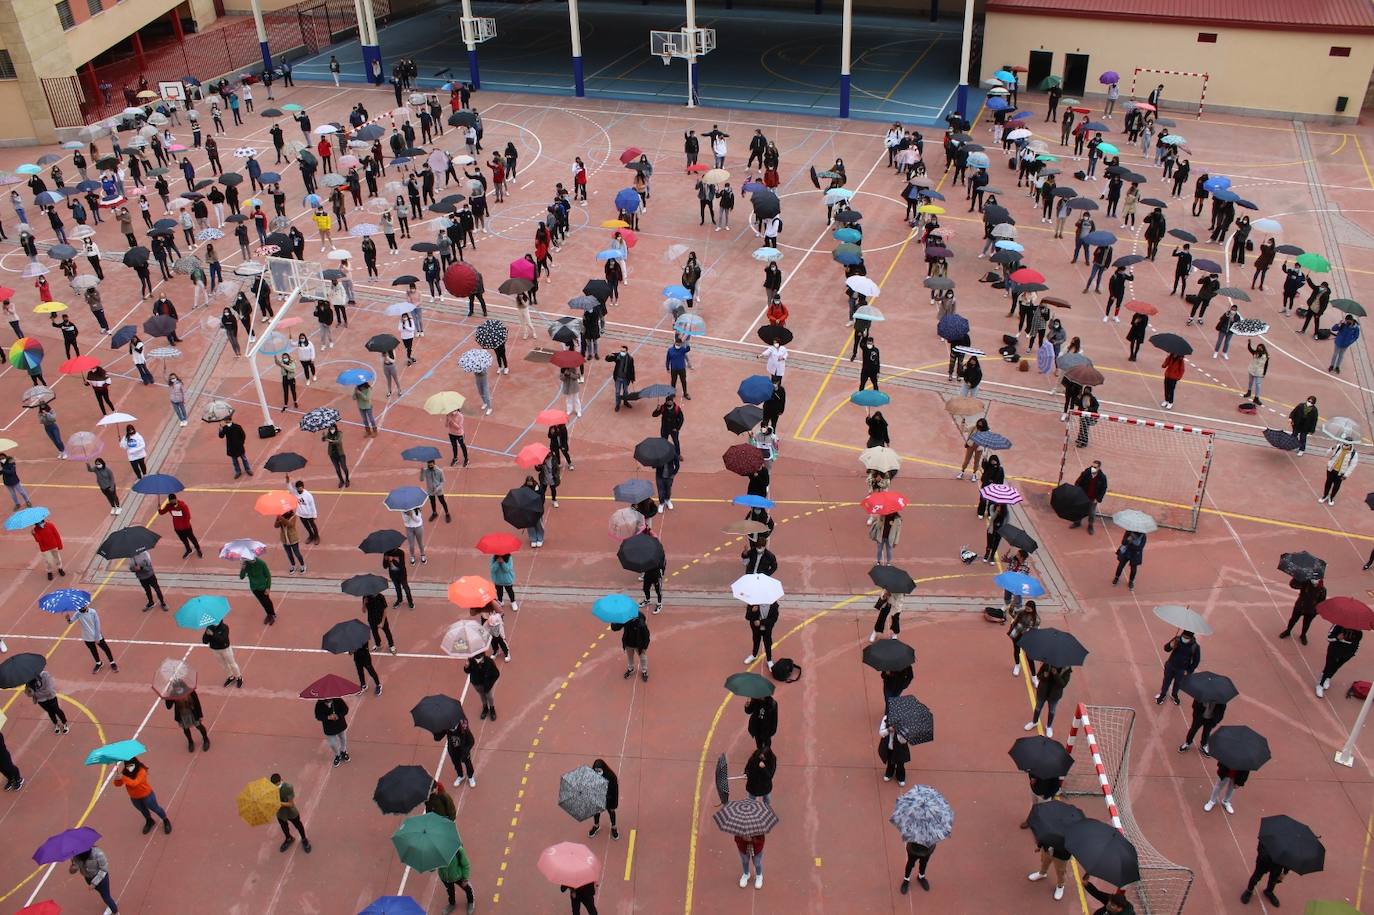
[786, 670]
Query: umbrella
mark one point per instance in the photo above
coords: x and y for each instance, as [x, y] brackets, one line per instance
[365, 585]
[319, 419]
[345, 637]
[465, 639]
[174, 678]
[201, 611]
[1314, 262]
[745, 817]
[331, 686]
[990, 441]
[382, 343]
[633, 491]
[26, 518]
[1302, 566]
[1102, 851]
[426, 842]
[755, 389]
[889, 655]
[491, 334]
[922, 815]
[653, 392]
[870, 398]
[1284, 441]
[531, 456]
[569, 864]
[1349, 306]
[158, 484]
[773, 334]
[757, 589]
[655, 452]
[1054, 647]
[1049, 821]
[641, 553]
[1136, 521]
[625, 523]
[495, 544]
[743, 459]
[284, 462]
[1183, 618]
[272, 504]
[912, 719]
[437, 713]
[722, 779]
[953, 328]
[881, 459]
[402, 789]
[1291, 844]
[217, 411]
[615, 609]
[242, 550]
[355, 377]
[1018, 538]
[884, 503]
[20, 669]
[1239, 747]
[1205, 686]
[749, 685]
[1042, 757]
[964, 406]
[1347, 612]
[127, 542]
[1342, 429]
[582, 792]
[1172, 344]
[894, 580]
[405, 498]
[26, 353]
[472, 592]
[522, 507]
[64, 600]
[1085, 375]
[420, 454]
[117, 752]
[627, 200]
[742, 419]
[475, 361]
[767, 205]
[66, 845]
[259, 802]
[1001, 494]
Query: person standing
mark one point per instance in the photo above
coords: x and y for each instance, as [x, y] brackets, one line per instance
[1346, 333]
[457, 873]
[916, 854]
[1310, 593]
[1049, 690]
[758, 775]
[677, 362]
[42, 690]
[1184, 657]
[763, 720]
[453, 425]
[670, 422]
[285, 523]
[216, 638]
[136, 450]
[502, 570]
[186, 711]
[1130, 550]
[1265, 867]
[13, 779]
[482, 674]
[94, 868]
[886, 531]
[664, 475]
[9, 475]
[133, 777]
[761, 625]
[394, 562]
[750, 849]
[1206, 716]
[460, 742]
[634, 639]
[1341, 462]
[602, 768]
[93, 635]
[235, 440]
[1093, 482]
[362, 662]
[288, 815]
[1173, 372]
[307, 511]
[260, 584]
[1026, 618]
[1228, 780]
[332, 714]
[623, 375]
[1302, 420]
[142, 566]
[414, 524]
[374, 605]
[49, 541]
[581, 897]
[894, 751]
[181, 524]
[1341, 646]
[432, 479]
[1059, 857]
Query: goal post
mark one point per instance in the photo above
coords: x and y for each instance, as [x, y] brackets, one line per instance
[1155, 74]
[1158, 467]
[1104, 770]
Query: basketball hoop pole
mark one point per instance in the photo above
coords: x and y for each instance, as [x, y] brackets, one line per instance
[691, 53]
[575, 33]
[253, 349]
[1346, 754]
[474, 76]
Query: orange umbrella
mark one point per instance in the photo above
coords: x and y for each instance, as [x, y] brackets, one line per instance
[531, 456]
[472, 591]
[551, 417]
[275, 503]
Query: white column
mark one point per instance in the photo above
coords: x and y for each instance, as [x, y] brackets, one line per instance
[965, 52]
[262, 34]
[691, 56]
[575, 34]
[474, 75]
[846, 52]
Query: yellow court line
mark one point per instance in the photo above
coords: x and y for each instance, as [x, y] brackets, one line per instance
[839, 406]
[630, 855]
[1359, 148]
[911, 69]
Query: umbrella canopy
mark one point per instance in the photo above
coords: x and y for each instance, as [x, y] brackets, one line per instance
[892, 579]
[1103, 852]
[1001, 493]
[615, 609]
[472, 592]
[952, 328]
[258, 802]
[402, 789]
[405, 498]
[569, 864]
[393, 905]
[1018, 538]
[722, 779]
[743, 459]
[1131, 519]
[20, 669]
[922, 815]
[420, 454]
[64, 600]
[174, 678]
[1292, 844]
[117, 752]
[745, 817]
[1172, 344]
[272, 504]
[158, 484]
[465, 639]
[755, 389]
[884, 503]
[382, 343]
[364, 585]
[742, 419]
[757, 589]
[1019, 583]
[285, 462]
[912, 719]
[1239, 747]
[242, 550]
[1205, 686]
[127, 542]
[1054, 647]
[497, 544]
[475, 361]
[1070, 502]
[1342, 429]
[26, 518]
[1049, 821]
[1042, 757]
[889, 655]
[1284, 441]
[881, 459]
[202, 610]
[641, 553]
[749, 685]
[345, 637]
[1183, 618]
[655, 452]
[426, 842]
[66, 845]
[1347, 612]
[437, 713]
[625, 523]
[633, 491]
[1302, 566]
[582, 792]
[331, 686]
[319, 419]
[522, 507]
[217, 411]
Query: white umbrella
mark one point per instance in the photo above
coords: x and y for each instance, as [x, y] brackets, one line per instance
[110, 419]
[465, 639]
[1136, 521]
[1183, 618]
[868, 313]
[1267, 225]
[1342, 429]
[757, 589]
[396, 309]
[863, 286]
[339, 254]
[325, 129]
[463, 160]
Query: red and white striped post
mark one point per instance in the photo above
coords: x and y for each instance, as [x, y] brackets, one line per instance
[1082, 723]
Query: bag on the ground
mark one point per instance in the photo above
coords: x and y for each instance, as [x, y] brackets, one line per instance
[786, 670]
[966, 556]
[1303, 311]
[267, 431]
[1324, 334]
[1358, 690]
[994, 614]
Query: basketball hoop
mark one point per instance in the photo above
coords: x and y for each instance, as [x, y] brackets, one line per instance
[687, 44]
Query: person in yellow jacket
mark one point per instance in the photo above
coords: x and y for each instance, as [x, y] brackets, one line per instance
[324, 223]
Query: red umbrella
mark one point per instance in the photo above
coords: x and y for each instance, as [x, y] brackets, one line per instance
[698, 168]
[6, 293]
[630, 238]
[743, 459]
[531, 456]
[331, 686]
[1347, 612]
[1027, 275]
[46, 907]
[884, 503]
[498, 544]
[1139, 307]
[631, 154]
[79, 365]
[1079, 109]
[461, 280]
[551, 417]
[567, 359]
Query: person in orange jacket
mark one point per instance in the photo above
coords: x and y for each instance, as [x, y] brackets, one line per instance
[49, 542]
[133, 777]
[1173, 370]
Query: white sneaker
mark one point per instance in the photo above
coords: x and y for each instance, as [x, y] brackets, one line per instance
[670, 501]
[1049, 732]
[1036, 876]
[1117, 319]
[770, 667]
[1321, 499]
[1214, 355]
[1226, 805]
[1321, 691]
[743, 881]
[758, 882]
[750, 659]
[1029, 726]
[1058, 892]
[514, 606]
[472, 781]
[1104, 321]
[1207, 807]
[458, 782]
[1226, 356]
[1016, 670]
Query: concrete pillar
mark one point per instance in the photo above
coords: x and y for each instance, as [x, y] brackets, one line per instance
[262, 34]
[372, 52]
[693, 86]
[31, 32]
[965, 52]
[575, 33]
[846, 53]
[474, 75]
[138, 51]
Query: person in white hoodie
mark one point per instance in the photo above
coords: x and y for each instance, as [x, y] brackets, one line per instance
[307, 511]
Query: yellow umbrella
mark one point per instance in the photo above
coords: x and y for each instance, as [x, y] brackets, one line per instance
[259, 802]
[48, 308]
[716, 176]
[444, 402]
[883, 460]
[930, 208]
[8, 444]
[147, 93]
[615, 224]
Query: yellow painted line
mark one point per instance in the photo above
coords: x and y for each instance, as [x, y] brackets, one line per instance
[843, 402]
[630, 855]
[1359, 148]
[909, 70]
[1364, 858]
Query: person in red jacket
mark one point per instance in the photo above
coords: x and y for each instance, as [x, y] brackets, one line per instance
[49, 546]
[181, 524]
[1173, 370]
[326, 151]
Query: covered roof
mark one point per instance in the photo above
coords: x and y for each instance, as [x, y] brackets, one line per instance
[1308, 15]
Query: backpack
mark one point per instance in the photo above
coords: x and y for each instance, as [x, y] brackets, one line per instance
[1358, 690]
[786, 670]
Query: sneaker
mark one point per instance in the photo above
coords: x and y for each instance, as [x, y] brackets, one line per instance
[1184, 747]
[1016, 670]
[1029, 726]
[750, 659]
[743, 881]
[458, 782]
[658, 608]
[305, 846]
[925, 884]
[1159, 700]
[66, 727]
[758, 882]
[1049, 732]
[98, 665]
[1207, 807]
[1058, 892]
[1036, 876]
[906, 882]
[378, 690]
[873, 636]
[472, 781]
[1226, 805]
[593, 831]
[615, 833]
[337, 759]
[629, 672]
[287, 843]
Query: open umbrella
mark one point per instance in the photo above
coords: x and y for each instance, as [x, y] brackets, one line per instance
[127, 542]
[1205, 686]
[655, 452]
[1292, 844]
[465, 639]
[1302, 566]
[522, 507]
[405, 498]
[757, 589]
[755, 389]
[363, 585]
[402, 789]
[1054, 647]
[922, 815]
[883, 503]
[1131, 519]
[1239, 747]
[1347, 612]
[64, 600]
[889, 655]
[437, 713]
[1042, 757]
[426, 842]
[26, 518]
[582, 792]
[1018, 538]
[912, 718]
[1172, 344]
[624, 523]
[743, 459]
[202, 610]
[66, 845]
[472, 592]
[20, 669]
[742, 419]
[745, 817]
[892, 579]
[345, 637]
[174, 678]
[1103, 852]
[569, 864]
[1342, 429]
[1019, 583]
[1070, 502]
[749, 685]
[1049, 821]
[319, 419]
[615, 609]
[641, 553]
[1001, 494]
[331, 686]
[1183, 618]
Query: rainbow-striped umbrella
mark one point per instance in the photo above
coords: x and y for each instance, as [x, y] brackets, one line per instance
[26, 353]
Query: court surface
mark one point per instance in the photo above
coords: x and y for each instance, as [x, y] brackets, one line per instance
[562, 700]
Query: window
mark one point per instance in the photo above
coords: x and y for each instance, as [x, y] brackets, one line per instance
[1207, 37]
[64, 15]
[7, 66]
[1337, 51]
[94, 7]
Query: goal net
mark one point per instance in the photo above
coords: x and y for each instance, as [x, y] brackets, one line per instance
[1104, 732]
[1180, 86]
[1156, 467]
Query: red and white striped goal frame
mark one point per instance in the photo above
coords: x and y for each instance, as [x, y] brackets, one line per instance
[1202, 100]
[1083, 724]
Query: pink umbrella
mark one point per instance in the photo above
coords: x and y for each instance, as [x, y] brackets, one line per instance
[532, 456]
[569, 864]
[177, 147]
[522, 270]
[349, 161]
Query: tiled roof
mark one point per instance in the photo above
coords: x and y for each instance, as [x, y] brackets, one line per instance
[1307, 15]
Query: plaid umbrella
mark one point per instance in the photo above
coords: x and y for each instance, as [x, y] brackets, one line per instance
[745, 817]
[582, 792]
[475, 360]
[922, 815]
[911, 718]
[491, 334]
[743, 459]
[1303, 566]
[990, 441]
[1284, 441]
[319, 419]
[722, 779]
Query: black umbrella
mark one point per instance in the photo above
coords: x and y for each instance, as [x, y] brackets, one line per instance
[437, 713]
[766, 204]
[364, 585]
[1128, 260]
[1291, 250]
[1302, 566]
[424, 247]
[121, 337]
[20, 669]
[1292, 844]
[402, 789]
[1239, 747]
[598, 289]
[1042, 757]
[160, 326]
[741, 419]
[1172, 344]
[279, 240]
[912, 719]
[997, 214]
[1284, 441]
[1082, 203]
[1103, 852]
[61, 252]
[889, 654]
[641, 553]
[1070, 502]
[127, 542]
[655, 452]
[516, 285]
[522, 507]
[405, 280]
[1210, 266]
[345, 637]
[816, 180]
[236, 217]
[848, 217]
[1184, 235]
[1205, 686]
[1053, 646]
[107, 163]
[722, 779]
[464, 118]
[1005, 257]
[284, 462]
[893, 579]
[775, 335]
[382, 343]
[1018, 538]
[1049, 821]
[165, 223]
[442, 206]
[333, 274]
[1065, 192]
[632, 491]
[136, 257]
[381, 541]
[1154, 202]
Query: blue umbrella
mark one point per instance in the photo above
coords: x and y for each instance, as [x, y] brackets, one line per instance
[609, 254]
[627, 200]
[202, 610]
[952, 327]
[119, 751]
[1226, 195]
[978, 160]
[752, 501]
[1100, 238]
[1203, 263]
[932, 195]
[755, 389]
[1216, 183]
[1020, 115]
[421, 453]
[615, 609]
[870, 398]
[404, 498]
[269, 178]
[64, 600]
[851, 236]
[1007, 244]
[393, 905]
[1019, 583]
[990, 441]
[85, 186]
[48, 198]
[355, 377]
[1005, 76]
[120, 338]
[1095, 125]
[998, 104]
[158, 484]
[847, 258]
[27, 517]
[690, 325]
[313, 200]
[677, 292]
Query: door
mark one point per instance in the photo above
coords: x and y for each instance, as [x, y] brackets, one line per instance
[1041, 65]
[1075, 74]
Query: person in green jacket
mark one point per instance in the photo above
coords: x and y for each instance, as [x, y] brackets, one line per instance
[456, 873]
[260, 583]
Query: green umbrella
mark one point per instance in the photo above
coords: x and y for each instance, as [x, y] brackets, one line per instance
[1349, 306]
[1050, 82]
[748, 685]
[1314, 262]
[426, 842]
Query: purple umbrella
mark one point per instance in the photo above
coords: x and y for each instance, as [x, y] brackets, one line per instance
[1109, 77]
[66, 845]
